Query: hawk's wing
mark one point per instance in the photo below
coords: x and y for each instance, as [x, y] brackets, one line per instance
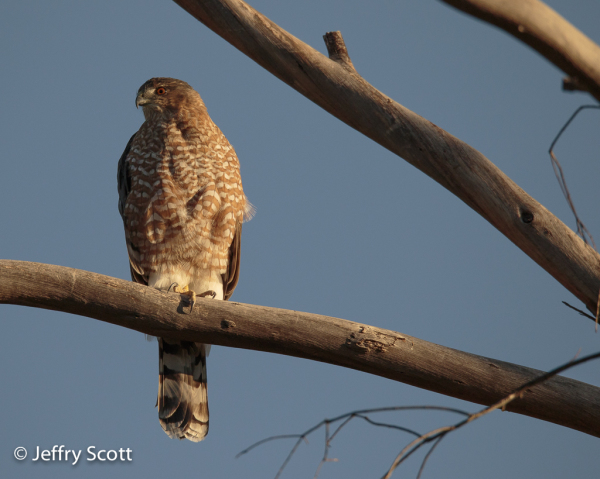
[124, 186]
[230, 278]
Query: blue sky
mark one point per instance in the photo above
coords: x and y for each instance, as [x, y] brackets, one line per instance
[343, 228]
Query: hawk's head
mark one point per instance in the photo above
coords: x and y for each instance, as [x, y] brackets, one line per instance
[159, 95]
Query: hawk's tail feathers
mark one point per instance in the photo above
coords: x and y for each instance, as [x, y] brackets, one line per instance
[182, 393]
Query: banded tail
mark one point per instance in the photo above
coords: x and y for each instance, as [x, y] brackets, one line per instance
[182, 393]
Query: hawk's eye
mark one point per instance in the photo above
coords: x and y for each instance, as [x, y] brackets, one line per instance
[161, 91]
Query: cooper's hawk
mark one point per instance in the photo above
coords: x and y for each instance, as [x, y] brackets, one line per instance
[182, 204]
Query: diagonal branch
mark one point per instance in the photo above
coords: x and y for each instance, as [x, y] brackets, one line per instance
[455, 165]
[336, 341]
[544, 30]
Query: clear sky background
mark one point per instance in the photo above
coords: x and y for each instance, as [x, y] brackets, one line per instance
[343, 228]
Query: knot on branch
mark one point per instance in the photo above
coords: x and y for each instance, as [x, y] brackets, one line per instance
[368, 340]
[572, 83]
[227, 324]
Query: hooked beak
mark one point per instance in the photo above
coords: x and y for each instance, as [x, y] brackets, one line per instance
[140, 100]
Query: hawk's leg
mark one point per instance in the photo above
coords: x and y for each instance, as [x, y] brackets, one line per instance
[186, 291]
[193, 296]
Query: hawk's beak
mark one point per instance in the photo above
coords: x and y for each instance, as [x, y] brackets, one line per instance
[140, 100]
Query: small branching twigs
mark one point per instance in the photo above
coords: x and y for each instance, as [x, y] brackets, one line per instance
[345, 419]
[435, 436]
[560, 176]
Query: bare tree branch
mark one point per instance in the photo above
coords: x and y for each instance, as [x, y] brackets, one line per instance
[544, 30]
[336, 341]
[455, 165]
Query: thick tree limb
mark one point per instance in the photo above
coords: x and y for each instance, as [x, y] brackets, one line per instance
[544, 30]
[455, 165]
[336, 341]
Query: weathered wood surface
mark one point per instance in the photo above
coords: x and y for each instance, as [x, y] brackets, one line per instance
[385, 353]
[543, 29]
[455, 165]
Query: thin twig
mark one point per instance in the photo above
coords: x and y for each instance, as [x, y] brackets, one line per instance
[578, 310]
[391, 426]
[324, 460]
[417, 443]
[438, 440]
[348, 419]
[287, 459]
[558, 172]
[327, 445]
[442, 431]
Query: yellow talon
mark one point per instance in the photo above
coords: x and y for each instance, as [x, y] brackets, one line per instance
[185, 290]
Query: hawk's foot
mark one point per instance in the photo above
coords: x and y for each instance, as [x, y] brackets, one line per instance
[191, 294]
[210, 292]
[185, 291]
